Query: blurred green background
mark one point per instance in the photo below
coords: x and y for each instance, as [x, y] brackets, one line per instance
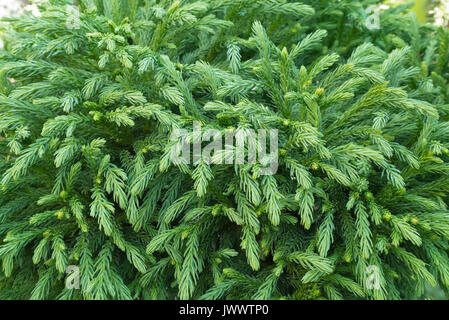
[421, 7]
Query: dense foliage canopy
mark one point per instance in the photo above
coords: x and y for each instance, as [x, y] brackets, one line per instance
[90, 98]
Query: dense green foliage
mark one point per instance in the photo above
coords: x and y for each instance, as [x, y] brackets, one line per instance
[87, 108]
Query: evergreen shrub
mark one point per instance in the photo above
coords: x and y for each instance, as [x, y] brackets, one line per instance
[90, 98]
